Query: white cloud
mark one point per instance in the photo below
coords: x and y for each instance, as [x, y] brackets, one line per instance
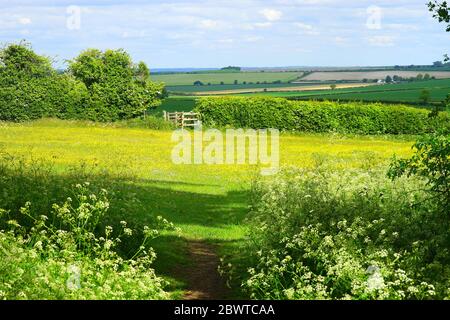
[271, 14]
[262, 25]
[24, 20]
[381, 41]
[340, 40]
[303, 26]
[254, 38]
[226, 41]
[306, 29]
[209, 24]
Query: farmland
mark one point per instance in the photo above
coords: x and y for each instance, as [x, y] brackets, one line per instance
[232, 87]
[316, 85]
[371, 75]
[402, 92]
[187, 79]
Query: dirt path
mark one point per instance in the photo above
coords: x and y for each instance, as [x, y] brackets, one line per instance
[204, 281]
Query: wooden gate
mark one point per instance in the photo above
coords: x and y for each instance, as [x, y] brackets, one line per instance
[183, 119]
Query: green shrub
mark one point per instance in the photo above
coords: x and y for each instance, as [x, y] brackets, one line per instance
[314, 116]
[320, 234]
[67, 259]
[30, 88]
[432, 162]
[101, 86]
[118, 89]
[52, 228]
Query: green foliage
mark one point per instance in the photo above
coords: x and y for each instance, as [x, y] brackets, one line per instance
[431, 161]
[31, 89]
[425, 96]
[314, 116]
[102, 86]
[117, 88]
[20, 60]
[440, 10]
[149, 122]
[67, 260]
[320, 234]
[46, 235]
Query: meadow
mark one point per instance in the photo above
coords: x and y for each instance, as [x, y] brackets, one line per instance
[208, 203]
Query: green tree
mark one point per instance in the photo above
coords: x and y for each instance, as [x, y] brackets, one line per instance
[425, 96]
[142, 72]
[118, 89]
[30, 88]
[388, 79]
[440, 10]
[432, 162]
[426, 76]
[419, 77]
[20, 60]
[333, 86]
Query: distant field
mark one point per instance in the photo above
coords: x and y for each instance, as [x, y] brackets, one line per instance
[291, 88]
[360, 75]
[228, 87]
[187, 79]
[403, 92]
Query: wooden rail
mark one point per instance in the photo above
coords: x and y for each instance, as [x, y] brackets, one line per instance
[183, 119]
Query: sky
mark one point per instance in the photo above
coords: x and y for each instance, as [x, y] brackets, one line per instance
[217, 33]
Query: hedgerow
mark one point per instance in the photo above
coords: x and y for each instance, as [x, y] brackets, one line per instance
[99, 86]
[314, 116]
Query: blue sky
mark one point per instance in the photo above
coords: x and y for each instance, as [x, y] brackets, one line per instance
[206, 33]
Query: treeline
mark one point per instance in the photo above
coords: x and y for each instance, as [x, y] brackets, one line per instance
[98, 86]
[315, 116]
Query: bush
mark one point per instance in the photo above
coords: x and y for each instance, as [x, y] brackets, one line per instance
[66, 259]
[314, 116]
[118, 89]
[101, 86]
[57, 247]
[350, 235]
[432, 162]
[31, 89]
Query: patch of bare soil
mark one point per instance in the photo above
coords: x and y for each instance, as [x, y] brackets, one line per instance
[204, 281]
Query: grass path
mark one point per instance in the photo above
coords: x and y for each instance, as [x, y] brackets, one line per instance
[208, 203]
